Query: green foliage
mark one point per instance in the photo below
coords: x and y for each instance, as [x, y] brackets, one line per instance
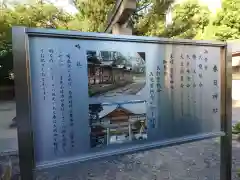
[226, 24]
[236, 129]
[93, 14]
[5, 69]
[188, 19]
[92, 17]
[34, 15]
[150, 21]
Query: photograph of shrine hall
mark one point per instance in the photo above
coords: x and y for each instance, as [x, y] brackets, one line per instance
[112, 73]
[117, 123]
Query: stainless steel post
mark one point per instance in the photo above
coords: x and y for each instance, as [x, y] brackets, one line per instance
[23, 100]
[226, 114]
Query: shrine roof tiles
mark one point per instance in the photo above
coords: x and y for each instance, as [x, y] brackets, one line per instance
[135, 108]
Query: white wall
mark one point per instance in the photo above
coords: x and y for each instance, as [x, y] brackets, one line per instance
[236, 89]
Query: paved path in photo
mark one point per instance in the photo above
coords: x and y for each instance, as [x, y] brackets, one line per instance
[130, 89]
[133, 91]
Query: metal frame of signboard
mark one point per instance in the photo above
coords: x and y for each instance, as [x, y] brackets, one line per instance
[23, 101]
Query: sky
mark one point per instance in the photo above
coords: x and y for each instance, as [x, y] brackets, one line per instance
[213, 5]
[66, 4]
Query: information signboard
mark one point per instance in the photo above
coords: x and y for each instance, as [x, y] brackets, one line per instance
[83, 96]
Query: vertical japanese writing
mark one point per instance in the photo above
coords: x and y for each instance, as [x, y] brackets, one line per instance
[200, 67]
[50, 51]
[171, 78]
[157, 79]
[215, 94]
[171, 85]
[193, 85]
[194, 56]
[70, 101]
[53, 104]
[151, 78]
[171, 59]
[62, 110]
[182, 83]
[188, 85]
[43, 74]
[54, 118]
[205, 59]
[188, 73]
[152, 95]
[205, 67]
[215, 69]
[165, 67]
[60, 59]
[199, 85]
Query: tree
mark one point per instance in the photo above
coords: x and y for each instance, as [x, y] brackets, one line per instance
[93, 14]
[33, 15]
[189, 19]
[149, 20]
[226, 24]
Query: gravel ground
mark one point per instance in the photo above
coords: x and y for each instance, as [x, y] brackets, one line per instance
[193, 161]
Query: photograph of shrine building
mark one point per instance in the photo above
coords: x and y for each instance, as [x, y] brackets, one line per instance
[117, 123]
[112, 71]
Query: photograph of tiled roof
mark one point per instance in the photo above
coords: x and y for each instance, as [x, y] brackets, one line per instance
[134, 108]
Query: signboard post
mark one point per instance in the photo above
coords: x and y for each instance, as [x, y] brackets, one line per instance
[85, 96]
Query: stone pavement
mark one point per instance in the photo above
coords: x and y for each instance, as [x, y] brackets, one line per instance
[193, 161]
[8, 136]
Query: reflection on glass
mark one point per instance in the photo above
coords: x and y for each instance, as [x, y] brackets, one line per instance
[117, 123]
